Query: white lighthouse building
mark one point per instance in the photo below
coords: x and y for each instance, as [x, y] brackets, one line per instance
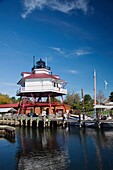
[41, 85]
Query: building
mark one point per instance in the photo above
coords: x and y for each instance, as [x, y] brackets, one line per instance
[39, 88]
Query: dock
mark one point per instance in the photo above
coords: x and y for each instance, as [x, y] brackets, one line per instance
[52, 121]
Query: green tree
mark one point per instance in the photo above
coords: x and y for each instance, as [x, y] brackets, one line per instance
[87, 99]
[4, 99]
[88, 102]
[14, 100]
[54, 99]
[72, 98]
[77, 106]
[111, 97]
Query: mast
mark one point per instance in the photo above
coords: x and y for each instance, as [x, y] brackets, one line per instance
[82, 92]
[94, 87]
[94, 92]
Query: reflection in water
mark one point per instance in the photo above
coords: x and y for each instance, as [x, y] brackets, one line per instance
[101, 142]
[8, 137]
[64, 149]
[40, 150]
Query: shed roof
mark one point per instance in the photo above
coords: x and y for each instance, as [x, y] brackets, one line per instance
[103, 107]
[5, 110]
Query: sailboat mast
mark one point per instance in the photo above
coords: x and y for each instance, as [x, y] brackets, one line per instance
[95, 92]
[94, 87]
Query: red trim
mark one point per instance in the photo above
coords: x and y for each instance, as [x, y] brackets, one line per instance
[45, 104]
[15, 105]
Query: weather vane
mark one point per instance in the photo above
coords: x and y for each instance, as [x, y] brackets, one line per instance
[105, 84]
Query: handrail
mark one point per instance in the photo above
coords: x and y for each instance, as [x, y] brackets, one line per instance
[41, 89]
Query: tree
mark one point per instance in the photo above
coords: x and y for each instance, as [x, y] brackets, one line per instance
[4, 99]
[111, 97]
[54, 99]
[88, 102]
[72, 98]
[87, 99]
[100, 97]
[14, 100]
[77, 106]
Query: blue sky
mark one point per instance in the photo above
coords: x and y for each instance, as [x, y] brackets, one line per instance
[75, 36]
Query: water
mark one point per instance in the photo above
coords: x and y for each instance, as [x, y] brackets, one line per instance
[57, 149]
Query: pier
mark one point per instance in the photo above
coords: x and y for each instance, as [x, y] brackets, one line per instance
[52, 121]
[39, 121]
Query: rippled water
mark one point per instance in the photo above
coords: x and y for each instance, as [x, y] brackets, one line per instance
[57, 149]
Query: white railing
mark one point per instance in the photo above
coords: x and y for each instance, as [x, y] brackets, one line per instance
[41, 89]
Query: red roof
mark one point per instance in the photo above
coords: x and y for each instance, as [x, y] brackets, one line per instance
[26, 73]
[14, 105]
[41, 75]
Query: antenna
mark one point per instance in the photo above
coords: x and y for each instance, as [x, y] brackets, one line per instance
[33, 61]
[46, 61]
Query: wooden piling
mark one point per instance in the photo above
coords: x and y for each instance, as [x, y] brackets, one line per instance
[31, 122]
[37, 121]
[26, 122]
[80, 123]
[44, 120]
[50, 121]
[21, 121]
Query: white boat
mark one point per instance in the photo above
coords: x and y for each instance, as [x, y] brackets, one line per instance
[74, 120]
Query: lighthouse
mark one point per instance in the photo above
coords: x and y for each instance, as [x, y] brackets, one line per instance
[42, 87]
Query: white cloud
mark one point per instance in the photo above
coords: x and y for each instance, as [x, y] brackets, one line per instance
[82, 52]
[77, 53]
[82, 5]
[65, 7]
[72, 53]
[73, 71]
[57, 49]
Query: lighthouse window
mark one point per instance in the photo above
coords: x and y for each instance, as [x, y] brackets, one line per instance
[54, 84]
[23, 85]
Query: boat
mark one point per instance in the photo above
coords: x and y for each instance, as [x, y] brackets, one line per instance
[75, 120]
